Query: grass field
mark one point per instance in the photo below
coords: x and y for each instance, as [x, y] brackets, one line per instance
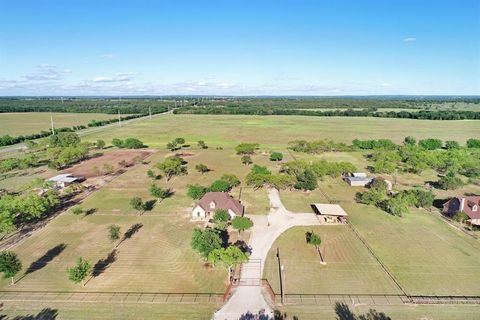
[33, 122]
[350, 269]
[425, 255]
[276, 131]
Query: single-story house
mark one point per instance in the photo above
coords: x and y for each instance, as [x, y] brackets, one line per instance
[332, 213]
[470, 205]
[358, 179]
[64, 180]
[211, 201]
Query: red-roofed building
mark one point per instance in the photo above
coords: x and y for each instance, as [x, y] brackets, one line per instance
[470, 205]
[212, 201]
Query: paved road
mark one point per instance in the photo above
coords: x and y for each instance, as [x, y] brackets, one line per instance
[84, 132]
[265, 231]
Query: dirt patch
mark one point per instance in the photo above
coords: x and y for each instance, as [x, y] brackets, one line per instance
[93, 167]
[184, 154]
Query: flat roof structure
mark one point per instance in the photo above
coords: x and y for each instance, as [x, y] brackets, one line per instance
[329, 209]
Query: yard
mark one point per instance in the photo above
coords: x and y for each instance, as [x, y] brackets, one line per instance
[350, 268]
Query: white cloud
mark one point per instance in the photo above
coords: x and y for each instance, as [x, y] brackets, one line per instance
[385, 84]
[108, 56]
[119, 77]
[225, 85]
[46, 72]
[410, 39]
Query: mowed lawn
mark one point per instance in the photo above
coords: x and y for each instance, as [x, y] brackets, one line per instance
[24, 123]
[350, 268]
[425, 255]
[157, 258]
[277, 131]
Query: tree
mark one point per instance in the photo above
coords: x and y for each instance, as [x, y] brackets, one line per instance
[172, 166]
[423, 198]
[430, 144]
[220, 218]
[113, 232]
[276, 156]
[450, 144]
[246, 160]
[228, 257]
[220, 186]
[117, 142]
[77, 211]
[180, 141]
[376, 194]
[258, 176]
[241, 224]
[158, 192]
[460, 216]
[205, 241]
[282, 181]
[201, 144]
[100, 144]
[196, 191]
[64, 139]
[450, 181]
[136, 203]
[246, 148]
[306, 180]
[314, 240]
[231, 179]
[80, 271]
[473, 143]
[397, 205]
[133, 143]
[172, 146]
[10, 265]
[202, 168]
[409, 141]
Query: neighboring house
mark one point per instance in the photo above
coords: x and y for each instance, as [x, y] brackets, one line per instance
[212, 201]
[331, 213]
[358, 179]
[470, 205]
[64, 180]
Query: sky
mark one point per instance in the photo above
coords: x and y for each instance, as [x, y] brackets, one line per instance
[240, 47]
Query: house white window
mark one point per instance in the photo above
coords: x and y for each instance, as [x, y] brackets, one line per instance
[212, 205]
[475, 208]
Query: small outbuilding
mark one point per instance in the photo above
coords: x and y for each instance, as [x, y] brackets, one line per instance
[212, 201]
[64, 180]
[331, 213]
[358, 179]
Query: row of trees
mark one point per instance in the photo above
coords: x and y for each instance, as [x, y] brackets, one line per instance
[129, 143]
[224, 184]
[370, 112]
[7, 140]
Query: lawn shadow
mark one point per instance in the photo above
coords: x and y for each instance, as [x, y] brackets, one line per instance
[104, 264]
[90, 211]
[45, 258]
[130, 232]
[344, 313]
[44, 314]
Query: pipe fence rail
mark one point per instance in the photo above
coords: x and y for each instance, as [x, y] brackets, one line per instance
[111, 297]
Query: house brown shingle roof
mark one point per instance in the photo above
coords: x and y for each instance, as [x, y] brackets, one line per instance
[453, 205]
[222, 201]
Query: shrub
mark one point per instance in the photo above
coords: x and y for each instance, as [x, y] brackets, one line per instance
[430, 144]
[473, 143]
[133, 143]
[246, 148]
[196, 191]
[276, 156]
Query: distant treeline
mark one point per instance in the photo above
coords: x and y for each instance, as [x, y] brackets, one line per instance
[8, 140]
[108, 106]
[422, 114]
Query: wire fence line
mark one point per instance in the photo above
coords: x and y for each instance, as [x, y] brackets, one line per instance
[111, 297]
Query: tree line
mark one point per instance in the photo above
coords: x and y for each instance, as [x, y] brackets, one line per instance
[370, 112]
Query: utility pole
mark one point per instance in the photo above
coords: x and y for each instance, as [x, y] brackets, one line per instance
[51, 122]
[119, 120]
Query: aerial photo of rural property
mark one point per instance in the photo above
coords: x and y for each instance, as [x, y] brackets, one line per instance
[240, 159]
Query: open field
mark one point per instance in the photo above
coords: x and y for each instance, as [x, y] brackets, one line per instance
[132, 311]
[23, 123]
[276, 131]
[425, 255]
[157, 258]
[397, 312]
[350, 269]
